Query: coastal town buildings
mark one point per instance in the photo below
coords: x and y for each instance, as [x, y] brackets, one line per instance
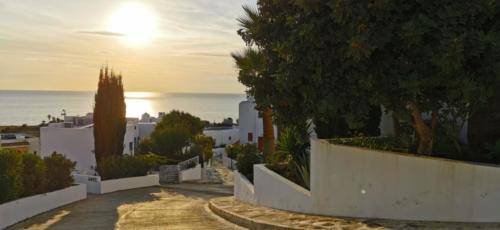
[18, 142]
[74, 137]
[250, 123]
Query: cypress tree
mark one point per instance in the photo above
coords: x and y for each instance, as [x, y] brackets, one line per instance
[109, 115]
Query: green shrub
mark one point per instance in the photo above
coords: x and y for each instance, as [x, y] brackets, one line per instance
[232, 151]
[291, 159]
[115, 167]
[33, 175]
[11, 183]
[248, 156]
[378, 143]
[493, 154]
[59, 170]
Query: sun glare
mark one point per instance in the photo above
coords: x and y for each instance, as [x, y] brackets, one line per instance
[136, 22]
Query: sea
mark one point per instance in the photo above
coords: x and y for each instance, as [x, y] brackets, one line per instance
[33, 107]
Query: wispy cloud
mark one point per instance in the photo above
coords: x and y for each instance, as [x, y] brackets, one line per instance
[100, 33]
[192, 44]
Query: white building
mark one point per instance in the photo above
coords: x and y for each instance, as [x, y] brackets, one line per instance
[77, 142]
[223, 135]
[145, 130]
[250, 124]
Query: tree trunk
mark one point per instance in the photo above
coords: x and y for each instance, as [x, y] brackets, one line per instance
[267, 120]
[424, 132]
[396, 125]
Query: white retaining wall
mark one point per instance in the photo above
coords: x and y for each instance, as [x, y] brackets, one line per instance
[275, 191]
[243, 189]
[228, 162]
[350, 181]
[191, 174]
[21, 209]
[96, 186]
[358, 182]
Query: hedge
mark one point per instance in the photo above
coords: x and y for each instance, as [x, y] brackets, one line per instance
[247, 156]
[115, 167]
[26, 174]
[377, 143]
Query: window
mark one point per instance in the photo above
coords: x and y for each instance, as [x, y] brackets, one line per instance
[250, 137]
[131, 146]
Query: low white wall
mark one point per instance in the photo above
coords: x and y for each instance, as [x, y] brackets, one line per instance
[93, 182]
[108, 186]
[191, 174]
[96, 186]
[228, 162]
[358, 182]
[21, 209]
[243, 189]
[273, 190]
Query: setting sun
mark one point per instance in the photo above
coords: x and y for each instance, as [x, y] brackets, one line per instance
[136, 22]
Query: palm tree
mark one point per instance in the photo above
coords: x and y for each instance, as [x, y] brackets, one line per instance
[251, 65]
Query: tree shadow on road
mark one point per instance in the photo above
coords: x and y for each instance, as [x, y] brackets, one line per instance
[95, 212]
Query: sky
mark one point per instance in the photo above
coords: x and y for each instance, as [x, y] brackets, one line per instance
[157, 45]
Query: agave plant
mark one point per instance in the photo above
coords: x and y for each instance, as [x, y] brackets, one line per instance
[294, 144]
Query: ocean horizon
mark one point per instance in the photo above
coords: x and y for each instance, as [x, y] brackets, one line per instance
[31, 107]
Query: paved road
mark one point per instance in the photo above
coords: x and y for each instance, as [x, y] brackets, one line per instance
[148, 208]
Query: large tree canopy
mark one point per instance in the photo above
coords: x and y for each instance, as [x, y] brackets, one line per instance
[174, 133]
[339, 58]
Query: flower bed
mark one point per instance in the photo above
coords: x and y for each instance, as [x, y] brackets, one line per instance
[21, 209]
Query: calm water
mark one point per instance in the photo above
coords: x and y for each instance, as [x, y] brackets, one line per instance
[32, 107]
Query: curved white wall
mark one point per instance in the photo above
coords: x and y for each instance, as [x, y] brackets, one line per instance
[243, 189]
[358, 182]
[21, 209]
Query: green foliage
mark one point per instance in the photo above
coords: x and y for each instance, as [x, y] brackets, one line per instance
[331, 126]
[484, 124]
[248, 156]
[33, 175]
[145, 146]
[109, 116]
[26, 174]
[171, 140]
[291, 159]
[303, 168]
[202, 147]
[115, 167]
[494, 152]
[340, 58]
[175, 118]
[172, 136]
[232, 151]
[59, 170]
[11, 181]
[378, 143]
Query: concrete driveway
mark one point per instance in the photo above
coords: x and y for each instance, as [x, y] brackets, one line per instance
[148, 208]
